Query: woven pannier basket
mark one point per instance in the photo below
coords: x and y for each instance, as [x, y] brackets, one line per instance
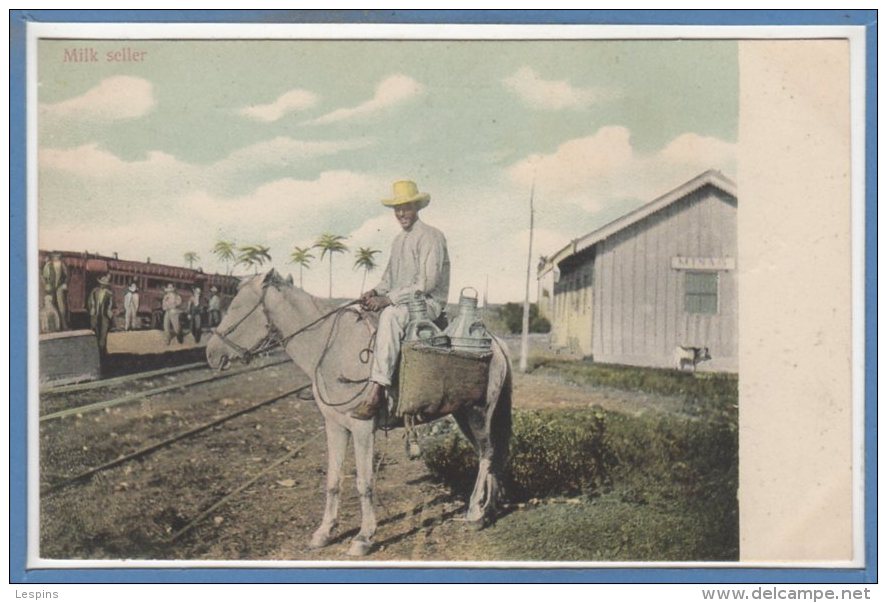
[436, 381]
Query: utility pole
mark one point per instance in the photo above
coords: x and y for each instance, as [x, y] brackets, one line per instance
[483, 315]
[525, 332]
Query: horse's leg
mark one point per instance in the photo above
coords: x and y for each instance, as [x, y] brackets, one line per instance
[337, 443]
[489, 430]
[363, 433]
[472, 422]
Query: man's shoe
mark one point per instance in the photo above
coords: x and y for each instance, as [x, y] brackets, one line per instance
[371, 405]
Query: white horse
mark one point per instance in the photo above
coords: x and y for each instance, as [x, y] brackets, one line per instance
[332, 346]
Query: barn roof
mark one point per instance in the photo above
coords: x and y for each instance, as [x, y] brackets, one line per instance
[708, 178]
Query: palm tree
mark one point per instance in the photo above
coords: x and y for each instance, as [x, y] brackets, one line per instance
[301, 256]
[365, 260]
[191, 257]
[225, 251]
[330, 244]
[253, 255]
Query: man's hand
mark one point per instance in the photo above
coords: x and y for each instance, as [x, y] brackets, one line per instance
[377, 303]
[365, 297]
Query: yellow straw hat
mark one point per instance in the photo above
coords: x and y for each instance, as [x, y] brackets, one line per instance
[406, 191]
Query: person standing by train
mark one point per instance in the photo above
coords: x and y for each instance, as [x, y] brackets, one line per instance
[55, 283]
[100, 305]
[215, 307]
[131, 307]
[49, 316]
[194, 311]
[172, 302]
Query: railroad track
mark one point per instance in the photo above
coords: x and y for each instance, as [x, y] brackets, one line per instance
[102, 476]
[139, 395]
[80, 387]
[146, 450]
[81, 476]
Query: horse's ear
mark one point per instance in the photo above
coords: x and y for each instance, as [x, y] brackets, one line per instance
[289, 280]
[271, 277]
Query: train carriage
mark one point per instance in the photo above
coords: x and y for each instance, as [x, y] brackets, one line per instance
[85, 268]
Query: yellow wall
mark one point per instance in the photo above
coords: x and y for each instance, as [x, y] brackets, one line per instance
[571, 324]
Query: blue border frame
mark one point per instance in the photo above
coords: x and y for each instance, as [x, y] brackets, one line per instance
[18, 301]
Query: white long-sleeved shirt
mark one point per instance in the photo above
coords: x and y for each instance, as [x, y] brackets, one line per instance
[131, 301]
[419, 262]
[172, 301]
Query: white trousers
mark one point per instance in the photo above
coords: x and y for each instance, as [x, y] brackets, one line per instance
[130, 319]
[393, 322]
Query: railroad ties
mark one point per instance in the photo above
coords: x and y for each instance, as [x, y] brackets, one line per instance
[301, 391]
[79, 410]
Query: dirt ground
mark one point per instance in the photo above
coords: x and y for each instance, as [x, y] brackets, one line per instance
[136, 510]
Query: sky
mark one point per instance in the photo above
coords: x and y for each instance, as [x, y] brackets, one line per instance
[277, 142]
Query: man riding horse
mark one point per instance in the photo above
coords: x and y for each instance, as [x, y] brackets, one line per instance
[328, 343]
[418, 265]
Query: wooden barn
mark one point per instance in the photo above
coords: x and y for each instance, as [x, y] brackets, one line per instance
[659, 277]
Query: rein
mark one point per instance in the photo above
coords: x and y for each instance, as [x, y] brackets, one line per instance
[283, 341]
[274, 338]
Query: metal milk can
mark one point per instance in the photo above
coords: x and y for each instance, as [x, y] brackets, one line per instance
[420, 326]
[467, 332]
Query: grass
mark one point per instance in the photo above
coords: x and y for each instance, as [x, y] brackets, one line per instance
[657, 486]
[708, 395]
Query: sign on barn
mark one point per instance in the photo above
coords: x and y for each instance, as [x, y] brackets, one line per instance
[685, 263]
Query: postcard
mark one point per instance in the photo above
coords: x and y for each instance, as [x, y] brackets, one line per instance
[377, 295]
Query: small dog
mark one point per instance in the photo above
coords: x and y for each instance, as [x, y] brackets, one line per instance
[685, 356]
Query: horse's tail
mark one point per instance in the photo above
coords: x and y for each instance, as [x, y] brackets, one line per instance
[500, 422]
[500, 426]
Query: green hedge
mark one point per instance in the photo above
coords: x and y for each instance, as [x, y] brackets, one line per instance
[551, 453]
[659, 485]
[680, 466]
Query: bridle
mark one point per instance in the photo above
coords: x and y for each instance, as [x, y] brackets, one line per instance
[273, 337]
[267, 342]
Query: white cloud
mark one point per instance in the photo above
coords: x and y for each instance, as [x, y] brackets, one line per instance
[140, 223]
[691, 148]
[296, 202]
[597, 170]
[391, 91]
[376, 232]
[283, 151]
[288, 102]
[553, 94]
[161, 171]
[163, 241]
[114, 98]
[92, 162]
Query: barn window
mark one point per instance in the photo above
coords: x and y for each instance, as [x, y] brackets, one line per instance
[701, 293]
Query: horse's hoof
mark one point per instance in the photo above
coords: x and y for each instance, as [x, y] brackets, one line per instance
[476, 523]
[318, 541]
[360, 547]
[413, 451]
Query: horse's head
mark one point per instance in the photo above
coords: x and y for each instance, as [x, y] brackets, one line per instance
[245, 329]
